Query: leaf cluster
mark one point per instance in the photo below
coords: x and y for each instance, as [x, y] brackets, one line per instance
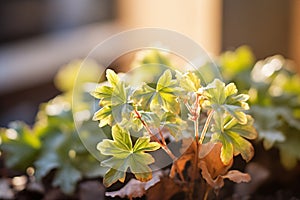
[273, 87]
[52, 144]
[162, 110]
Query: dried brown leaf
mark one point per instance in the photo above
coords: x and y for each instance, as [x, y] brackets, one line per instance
[237, 176]
[214, 183]
[135, 188]
[205, 149]
[213, 162]
[214, 171]
[188, 153]
[179, 166]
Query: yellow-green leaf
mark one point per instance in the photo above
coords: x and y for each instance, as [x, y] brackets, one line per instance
[162, 97]
[112, 77]
[224, 98]
[189, 81]
[126, 156]
[232, 134]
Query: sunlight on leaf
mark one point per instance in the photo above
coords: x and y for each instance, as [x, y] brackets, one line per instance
[214, 171]
[163, 96]
[231, 134]
[114, 100]
[221, 97]
[125, 155]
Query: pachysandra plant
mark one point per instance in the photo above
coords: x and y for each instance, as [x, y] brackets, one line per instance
[209, 122]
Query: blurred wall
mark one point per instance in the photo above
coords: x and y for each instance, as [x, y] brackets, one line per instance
[261, 24]
[294, 37]
[268, 26]
[21, 19]
[200, 20]
[29, 56]
[37, 37]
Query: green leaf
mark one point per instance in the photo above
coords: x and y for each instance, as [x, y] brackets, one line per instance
[227, 150]
[112, 77]
[221, 97]
[232, 134]
[62, 149]
[53, 144]
[132, 123]
[114, 100]
[174, 124]
[235, 62]
[119, 146]
[20, 145]
[188, 81]
[49, 158]
[150, 118]
[125, 155]
[104, 93]
[270, 137]
[290, 148]
[163, 97]
[112, 176]
[71, 74]
[45, 163]
[88, 166]
[104, 115]
[144, 96]
[245, 130]
[66, 178]
[144, 144]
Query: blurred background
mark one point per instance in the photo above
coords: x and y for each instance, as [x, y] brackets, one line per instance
[37, 37]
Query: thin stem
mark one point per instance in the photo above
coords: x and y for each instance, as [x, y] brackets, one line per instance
[147, 128]
[196, 127]
[163, 144]
[206, 125]
[206, 194]
[196, 114]
[162, 137]
[188, 106]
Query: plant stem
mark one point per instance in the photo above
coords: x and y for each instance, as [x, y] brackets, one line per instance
[163, 144]
[147, 128]
[188, 106]
[206, 125]
[206, 194]
[196, 127]
[196, 114]
[162, 137]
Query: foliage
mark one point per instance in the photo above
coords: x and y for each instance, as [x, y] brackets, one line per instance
[161, 110]
[274, 92]
[150, 110]
[53, 144]
[20, 144]
[125, 155]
